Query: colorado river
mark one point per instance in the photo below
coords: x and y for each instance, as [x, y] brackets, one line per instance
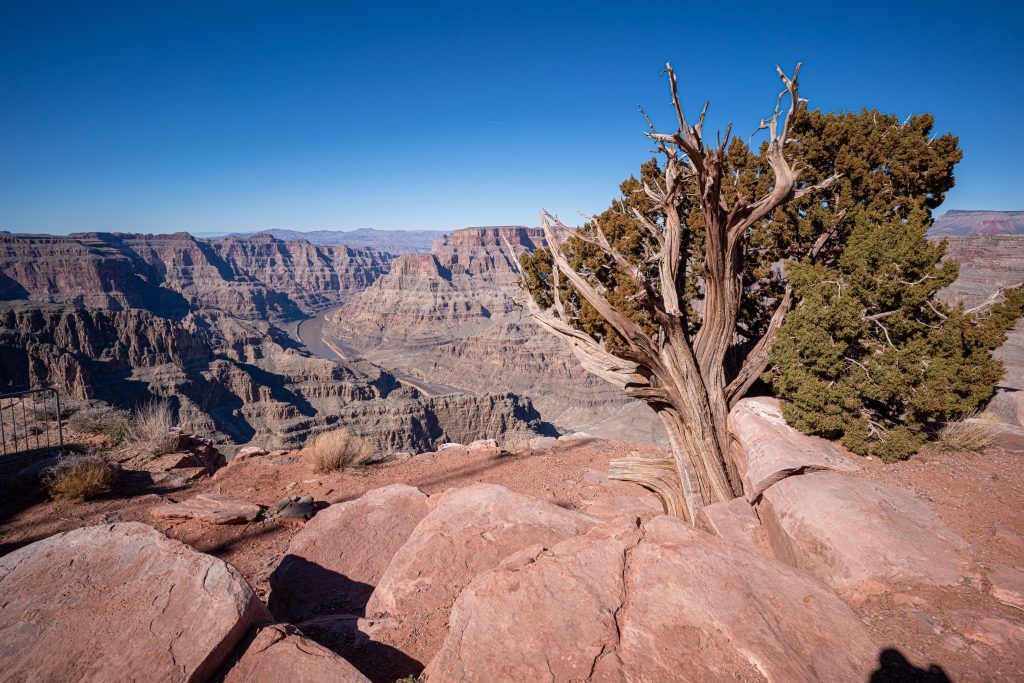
[311, 334]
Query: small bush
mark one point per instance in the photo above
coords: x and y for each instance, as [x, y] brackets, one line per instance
[151, 428]
[969, 433]
[79, 477]
[337, 450]
[102, 420]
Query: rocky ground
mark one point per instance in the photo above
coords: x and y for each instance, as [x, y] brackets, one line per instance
[959, 616]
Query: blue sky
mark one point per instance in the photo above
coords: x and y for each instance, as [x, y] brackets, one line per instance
[155, 117]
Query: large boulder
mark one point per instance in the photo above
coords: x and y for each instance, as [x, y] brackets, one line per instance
[658, 602]
[469, 530]
[333, 564]
[281, 653]
[119, 602]
[768, 450]
[856, 535]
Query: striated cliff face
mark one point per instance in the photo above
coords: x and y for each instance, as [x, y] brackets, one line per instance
[90, 352]
[988, 262]
[390, 241]
[313, 277]
[456, 317]
[82, 270]
[978, 223]
[232, 381]
[417, 424]
[257, 278]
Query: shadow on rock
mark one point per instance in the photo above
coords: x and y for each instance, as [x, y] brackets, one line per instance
[301, 590]
[379, 662]
[893, 667]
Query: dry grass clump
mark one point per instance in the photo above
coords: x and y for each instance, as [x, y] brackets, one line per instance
[102, 420]
[969, 433]
[151, 429]
[337, 450]
[79, 477]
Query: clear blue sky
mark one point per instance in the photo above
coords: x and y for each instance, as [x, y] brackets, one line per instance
[161, 116]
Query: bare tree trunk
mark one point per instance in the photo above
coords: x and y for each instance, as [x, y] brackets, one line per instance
[680, 372]
[694, 439]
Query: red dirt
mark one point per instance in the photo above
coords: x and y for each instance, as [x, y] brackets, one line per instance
[963, 630]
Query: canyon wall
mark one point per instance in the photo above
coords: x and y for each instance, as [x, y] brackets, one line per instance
[257, 278]
[987, 263]
[125, 318]
[456, 317]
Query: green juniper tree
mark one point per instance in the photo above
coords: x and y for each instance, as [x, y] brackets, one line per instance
[871, 355]
[678, 292]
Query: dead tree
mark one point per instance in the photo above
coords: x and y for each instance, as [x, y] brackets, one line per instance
[681, 371]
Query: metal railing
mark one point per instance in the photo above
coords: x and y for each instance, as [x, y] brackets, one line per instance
[30, 421]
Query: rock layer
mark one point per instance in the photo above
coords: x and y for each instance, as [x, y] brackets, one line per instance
[457, 317]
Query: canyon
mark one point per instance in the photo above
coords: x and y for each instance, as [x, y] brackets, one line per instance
[208, 325]
[269, 340]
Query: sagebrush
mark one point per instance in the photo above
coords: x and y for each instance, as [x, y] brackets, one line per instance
[336, 450]
[152, 428]
[79, 477]
[101, 420]
[971, 433]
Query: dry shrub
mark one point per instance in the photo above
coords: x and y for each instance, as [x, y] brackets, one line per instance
[969, 433]
[337, 450]
[79, 477]
[151, 428]
[102, 421]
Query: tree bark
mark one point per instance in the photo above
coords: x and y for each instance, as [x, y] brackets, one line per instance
[679, 374]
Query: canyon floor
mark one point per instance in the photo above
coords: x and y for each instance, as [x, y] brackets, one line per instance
[960, 630]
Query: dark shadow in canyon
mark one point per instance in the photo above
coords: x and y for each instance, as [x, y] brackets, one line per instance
[11, 289]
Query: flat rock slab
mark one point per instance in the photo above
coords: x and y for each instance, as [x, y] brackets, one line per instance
[770, 450]
[658, 602]
[119, 602]
[623, 507]
[333, 564]
[734, 521]
[281, 653]
[468, 531]
[1007, 586]
[854, 533]
[212, 508]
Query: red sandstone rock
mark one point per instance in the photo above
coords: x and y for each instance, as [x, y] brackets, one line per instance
[468, 531]
[770, 450]
[733, 520]
[212, 508]
[1007, 586]
[281, 653]
[333, 564]
[119, 602]
[630, 508]
[659, 602]
[849, 531]
[247, 453]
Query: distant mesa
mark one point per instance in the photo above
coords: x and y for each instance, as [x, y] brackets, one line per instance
[391, 241]
[956, 222]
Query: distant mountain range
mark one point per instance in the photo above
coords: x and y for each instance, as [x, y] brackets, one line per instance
[391, 241]
[956, 222]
